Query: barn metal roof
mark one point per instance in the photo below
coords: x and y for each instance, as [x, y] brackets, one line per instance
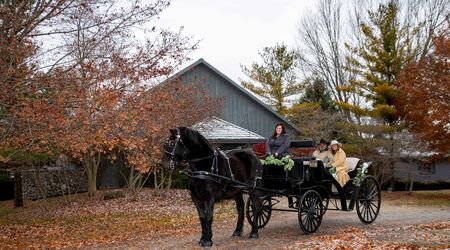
[217, 130]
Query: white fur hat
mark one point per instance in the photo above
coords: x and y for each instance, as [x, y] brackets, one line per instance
[335, 142]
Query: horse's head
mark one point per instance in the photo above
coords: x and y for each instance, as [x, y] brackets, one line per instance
[175, 151]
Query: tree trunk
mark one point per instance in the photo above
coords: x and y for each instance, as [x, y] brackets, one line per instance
[391, 161]
[411, 179]
[91, 163]
[411, 187]
[92, 182]
[18, 194]
[169, 181]
[391, 184]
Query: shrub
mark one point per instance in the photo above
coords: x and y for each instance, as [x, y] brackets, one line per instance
[113, 195]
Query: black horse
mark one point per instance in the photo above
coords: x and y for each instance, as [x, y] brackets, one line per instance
[214, 175]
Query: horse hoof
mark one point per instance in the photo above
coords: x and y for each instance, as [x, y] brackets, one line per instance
[237, 233]
[206, 243]
[253, 236]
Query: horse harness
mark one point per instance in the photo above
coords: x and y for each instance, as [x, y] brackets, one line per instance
[213, 175]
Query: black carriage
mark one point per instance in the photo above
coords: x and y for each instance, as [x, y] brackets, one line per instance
[311, 190]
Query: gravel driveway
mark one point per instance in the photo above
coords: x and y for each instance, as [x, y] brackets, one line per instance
[283, 230]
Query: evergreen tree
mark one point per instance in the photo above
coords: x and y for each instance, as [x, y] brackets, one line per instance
[316, 92]
[377, 62]
[274, 79]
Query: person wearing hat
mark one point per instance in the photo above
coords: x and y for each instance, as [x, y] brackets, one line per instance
[339, 162]
[322, 153]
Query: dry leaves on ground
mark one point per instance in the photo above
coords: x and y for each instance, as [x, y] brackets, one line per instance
[86, 222]
[424, 236]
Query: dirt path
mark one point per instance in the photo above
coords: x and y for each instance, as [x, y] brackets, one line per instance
[283, 230]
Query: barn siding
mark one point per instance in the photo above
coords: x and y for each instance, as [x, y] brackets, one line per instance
[238, 107]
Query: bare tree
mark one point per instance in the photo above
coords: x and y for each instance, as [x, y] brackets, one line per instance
[321, 48]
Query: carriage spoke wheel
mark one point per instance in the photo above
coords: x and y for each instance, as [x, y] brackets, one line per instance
[325, 202]
[310, 211]
[266, 212]
[369, 200]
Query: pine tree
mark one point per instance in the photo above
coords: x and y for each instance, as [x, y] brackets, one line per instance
[274, 79]
[377, 62]
[317, 92]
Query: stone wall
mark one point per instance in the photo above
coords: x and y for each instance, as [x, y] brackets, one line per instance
[52, 181]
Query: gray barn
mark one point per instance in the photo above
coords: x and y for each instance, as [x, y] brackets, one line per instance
[240, 107]
[244, 119]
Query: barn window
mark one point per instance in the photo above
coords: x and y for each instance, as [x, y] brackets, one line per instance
[427, 167]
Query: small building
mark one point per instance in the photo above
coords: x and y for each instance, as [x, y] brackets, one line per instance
[423, 169]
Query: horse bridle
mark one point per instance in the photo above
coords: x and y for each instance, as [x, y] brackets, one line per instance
[170, 146]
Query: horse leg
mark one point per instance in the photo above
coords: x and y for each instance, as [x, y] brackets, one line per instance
[200, 211]
[209, 212]
[205, 213]
[240, 209]
[256, 208]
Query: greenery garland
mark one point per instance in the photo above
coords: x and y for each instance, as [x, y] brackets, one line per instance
[362, 171]
[332, 170]
[286, 161]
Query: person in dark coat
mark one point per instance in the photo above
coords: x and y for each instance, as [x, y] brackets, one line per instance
[278, 144]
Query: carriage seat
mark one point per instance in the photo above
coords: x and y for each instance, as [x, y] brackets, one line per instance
[352, 163]
[299, 148]
[302, 148]
[302, 143]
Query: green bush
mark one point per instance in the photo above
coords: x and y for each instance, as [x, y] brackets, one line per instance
[26, 158]
[179, 180]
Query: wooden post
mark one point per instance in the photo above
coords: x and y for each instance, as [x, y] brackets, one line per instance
[18, 194]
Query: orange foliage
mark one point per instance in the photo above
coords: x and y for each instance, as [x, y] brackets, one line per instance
[425, 94]
[98, 94]
[83, 118]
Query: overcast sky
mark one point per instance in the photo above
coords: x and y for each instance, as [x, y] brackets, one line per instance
[232, 31]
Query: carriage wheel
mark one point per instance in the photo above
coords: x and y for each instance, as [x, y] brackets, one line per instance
[369, 200]
[266, 212]
[325, 202]
[310, 211]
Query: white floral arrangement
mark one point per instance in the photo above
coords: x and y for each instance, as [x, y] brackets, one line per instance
[361, 174]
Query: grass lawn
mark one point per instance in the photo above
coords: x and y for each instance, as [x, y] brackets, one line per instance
[417, 198]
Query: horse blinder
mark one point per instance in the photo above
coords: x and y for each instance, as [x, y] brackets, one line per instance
[170, 148]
